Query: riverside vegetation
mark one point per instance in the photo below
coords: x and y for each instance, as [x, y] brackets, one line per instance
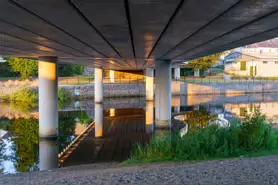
[252, 135]
[27, 98]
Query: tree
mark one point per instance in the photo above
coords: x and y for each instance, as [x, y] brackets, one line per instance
[26, 68]
[204, 63]
[65, 70]
[25, 135]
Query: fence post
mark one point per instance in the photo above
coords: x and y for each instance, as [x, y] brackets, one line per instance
[184, 77]
[209, 78]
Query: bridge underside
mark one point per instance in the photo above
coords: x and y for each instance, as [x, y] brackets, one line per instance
[131, 34]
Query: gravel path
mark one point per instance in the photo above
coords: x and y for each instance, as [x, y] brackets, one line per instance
[263, 170]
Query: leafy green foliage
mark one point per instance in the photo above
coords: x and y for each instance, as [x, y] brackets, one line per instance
[65, 70]
[253, 133]
[84, 118]
[5, 70]
[64, 98]
[26, 99]
[204, 63]
[26, 95]
[26, 68]
[66, 131]
[25, 134]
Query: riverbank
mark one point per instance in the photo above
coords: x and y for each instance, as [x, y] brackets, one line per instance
[138, 89]
[262, 170]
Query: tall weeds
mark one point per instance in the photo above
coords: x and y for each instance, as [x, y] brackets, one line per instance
[253, 133]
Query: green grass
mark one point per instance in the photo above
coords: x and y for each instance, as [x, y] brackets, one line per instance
[251, 136]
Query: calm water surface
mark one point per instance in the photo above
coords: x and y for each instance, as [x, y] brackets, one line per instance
[119, 124]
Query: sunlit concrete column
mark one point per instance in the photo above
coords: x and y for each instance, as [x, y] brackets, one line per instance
[197, 72]
[98, 120]
[48, 97]
[98, 85]
[149, 84]
[177, 74]
[149, 117]
[48, 154]
[163, 96]
[112, 76]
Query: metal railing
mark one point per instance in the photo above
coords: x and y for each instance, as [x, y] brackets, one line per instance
[233, 79]
[85, 80]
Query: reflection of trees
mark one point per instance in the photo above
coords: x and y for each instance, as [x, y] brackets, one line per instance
[66, 131]
[199, 119]
[25, 135]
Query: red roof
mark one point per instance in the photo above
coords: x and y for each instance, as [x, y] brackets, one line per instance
[273, 43]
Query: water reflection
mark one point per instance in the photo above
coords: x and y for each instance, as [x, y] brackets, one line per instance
[149, 117]
[48, 154]
[98, 120]
[119, 123]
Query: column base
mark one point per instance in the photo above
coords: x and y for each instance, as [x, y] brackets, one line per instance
[48, 137]
[163, 124]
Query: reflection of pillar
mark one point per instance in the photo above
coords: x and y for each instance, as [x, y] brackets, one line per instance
[176, 102]
[177, 74]
[48, 97]
[98, 120]
[48, 154]
[112, 76]
[197, 72]
[149, 84]
[112, 112]
[98, 85]
[149, 117]
[163, 96]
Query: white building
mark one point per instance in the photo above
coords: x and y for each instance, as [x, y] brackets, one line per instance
[256, 60]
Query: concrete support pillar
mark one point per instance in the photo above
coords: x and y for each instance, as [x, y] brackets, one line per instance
[149, 84]
[112, 76]
[149, 117]
[177, 74]
[197, 72]
[48, 97]
[163, 96]
[98, 120]
[98, 85]
[48, 154]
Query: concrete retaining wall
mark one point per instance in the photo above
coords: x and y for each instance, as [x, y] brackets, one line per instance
[178, 88]
[198, 89]
[110, 90]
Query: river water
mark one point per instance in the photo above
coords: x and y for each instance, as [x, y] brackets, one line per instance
[119, 124]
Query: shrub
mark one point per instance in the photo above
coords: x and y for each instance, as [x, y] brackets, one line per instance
[26, 95]
[253, 133]
[5, 98]
[64, 98]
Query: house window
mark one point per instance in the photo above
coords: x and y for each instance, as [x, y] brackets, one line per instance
[276, 62]
[243, 66]
[265, 62]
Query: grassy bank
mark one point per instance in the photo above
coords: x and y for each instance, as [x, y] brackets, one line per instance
[251, 136]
